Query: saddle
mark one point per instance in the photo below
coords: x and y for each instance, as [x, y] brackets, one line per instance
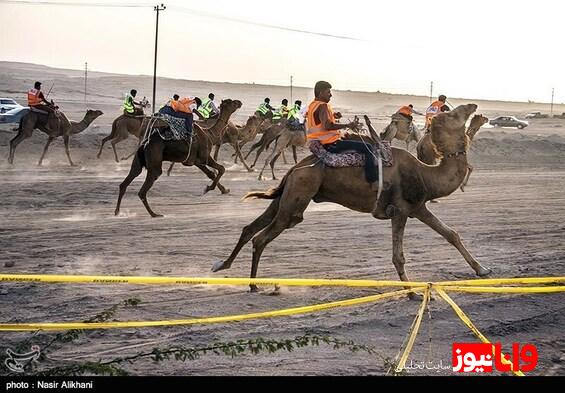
[32, 109]
[350, 158]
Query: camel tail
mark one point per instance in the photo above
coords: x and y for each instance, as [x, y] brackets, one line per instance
[271, 193]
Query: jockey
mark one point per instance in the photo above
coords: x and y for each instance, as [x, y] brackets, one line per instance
[264, 108]
[36, 100]
[436, 107]
[322, 127]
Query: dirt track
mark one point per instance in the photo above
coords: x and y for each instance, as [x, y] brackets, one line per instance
[59, 220]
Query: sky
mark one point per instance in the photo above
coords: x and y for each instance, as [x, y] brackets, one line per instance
[486, 49]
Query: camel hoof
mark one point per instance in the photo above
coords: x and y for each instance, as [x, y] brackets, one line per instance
[274, 178]
[462, 189]
[155, 215]
[484, 271]
[254, 289]
[275, 292]
[116, 212]
[220, 265]
[206, 190]
[226, 191]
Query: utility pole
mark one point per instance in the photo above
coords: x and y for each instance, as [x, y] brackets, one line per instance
[431, 90]
[552, 94]
[85, 78]
[291, 90]
[157, 8]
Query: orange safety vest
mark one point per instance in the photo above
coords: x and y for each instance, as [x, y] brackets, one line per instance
[433, 110]
[316, 131]
[183, 105]
[406, 110]
[33, 97]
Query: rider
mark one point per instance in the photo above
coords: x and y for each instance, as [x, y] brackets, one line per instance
[184, 108]
[282, 111]
[406, 111]
[436, 107]
[264, 108]
[36, 100]
[294, 116]
[322, 127]
[208, 109]
[129, 104]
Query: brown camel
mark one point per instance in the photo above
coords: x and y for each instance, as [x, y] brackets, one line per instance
[238, 136]
[270, 132]
[411, 184]
[428, 154]
[122, 127]
[400, 128]
[195, 152]
[285, 139]
[34, 120]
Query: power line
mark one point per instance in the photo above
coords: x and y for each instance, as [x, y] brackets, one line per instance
[259, 24]
[187, 10]
[75, 4]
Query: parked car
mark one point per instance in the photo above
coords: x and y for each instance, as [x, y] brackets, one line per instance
[7, 104]
[508, 121]
[14, 115]
[536, 115]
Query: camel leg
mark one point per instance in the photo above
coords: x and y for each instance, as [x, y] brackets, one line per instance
[221, 170]
[428, 218]
[212, 175]
[51, 139]
[259, 151]
[284, 158]
[272, 164]
[134, 172]
[290, 212]
[133, 152]
[154, 170]
[19, 138]
[114, 142]
[398, 225]
[66, 139]
[247, 233]
[253, 147]
[275, 153]
[216, 152]
[294, 154]
[469, 170]
[104, 140]
[170, 170]
[240, 155]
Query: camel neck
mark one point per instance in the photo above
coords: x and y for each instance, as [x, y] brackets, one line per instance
[218, 128]
[443, 179]
[80, 126]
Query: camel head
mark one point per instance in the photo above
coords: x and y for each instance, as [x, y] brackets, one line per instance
[448, 130]
[229, 106]
[478, 121]
[92, 114]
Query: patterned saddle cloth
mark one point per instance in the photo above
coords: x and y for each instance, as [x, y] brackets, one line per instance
[350, 158]
[176, 131]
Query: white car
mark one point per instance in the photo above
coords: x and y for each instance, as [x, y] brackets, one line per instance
[7, 104]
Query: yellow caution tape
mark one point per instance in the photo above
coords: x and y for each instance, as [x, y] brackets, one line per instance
[474, 289]
[470, 324]
[414, 332]
[506, 281]
[209, 320]
[204, 281]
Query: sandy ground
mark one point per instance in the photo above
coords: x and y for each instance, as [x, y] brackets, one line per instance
[59, 220]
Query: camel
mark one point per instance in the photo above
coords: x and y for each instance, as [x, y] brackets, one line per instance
[34, 120]
[270, 132]
[410, 184]
[122, 126]
[195, 152]
[238, 136]
[427, 153]
[285, 139]
[399, 128]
